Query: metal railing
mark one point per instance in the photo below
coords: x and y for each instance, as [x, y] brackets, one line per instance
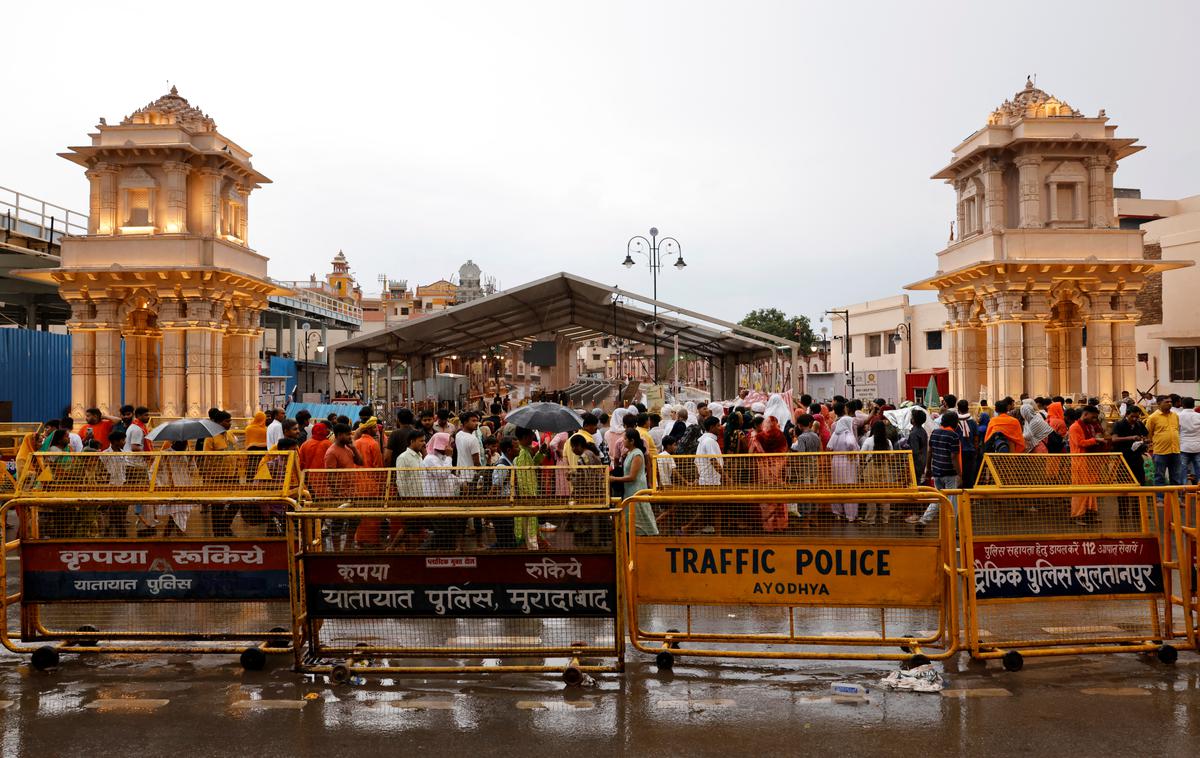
[310, 299]
[32, 217]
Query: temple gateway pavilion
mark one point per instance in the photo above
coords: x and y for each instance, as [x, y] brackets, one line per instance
[1039, 285]
[165, 264]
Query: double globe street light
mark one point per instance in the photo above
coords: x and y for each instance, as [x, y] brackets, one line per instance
[652, 249]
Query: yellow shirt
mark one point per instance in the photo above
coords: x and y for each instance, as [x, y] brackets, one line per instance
[1163, 429]
[572, 459]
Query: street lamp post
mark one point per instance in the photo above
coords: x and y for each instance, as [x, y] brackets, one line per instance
[308, 335]
[903, 333]
[844, 314]
[652, 248]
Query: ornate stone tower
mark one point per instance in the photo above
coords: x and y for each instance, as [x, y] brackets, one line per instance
[165, 267]
[1037, 259]
[469, 287]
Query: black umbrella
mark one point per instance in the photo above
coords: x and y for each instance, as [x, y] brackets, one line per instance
[546, 417]
[186, 429]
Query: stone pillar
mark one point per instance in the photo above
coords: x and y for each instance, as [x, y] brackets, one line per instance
[1099, 205]
[197, 345]
[1037, 364]
[992, 372]
[174, 358]
[94, 190]
[135, 368]
[243, 219]
[108, 357]
[993, 195]
[104, 216]
[210, 202]
[960, 212]
[1100, 347]
[1006, 349]
[153, 345]
[175, 221]
[1030, 191]
[83, 358]
[218, 368]
[1054, 360]
[1124, 356]
[1072, 347]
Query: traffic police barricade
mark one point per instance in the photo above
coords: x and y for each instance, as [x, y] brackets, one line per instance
[156, 552]
[426, 570]
[1181, 552]
[1065, 554]
[797, 555]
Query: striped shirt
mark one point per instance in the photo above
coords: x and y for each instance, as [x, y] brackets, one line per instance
[944, 447]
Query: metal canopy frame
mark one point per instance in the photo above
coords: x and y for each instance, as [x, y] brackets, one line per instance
[563, 304]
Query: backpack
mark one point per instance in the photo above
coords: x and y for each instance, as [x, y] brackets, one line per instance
[690, 441]
[1054, 442]
[997, 443]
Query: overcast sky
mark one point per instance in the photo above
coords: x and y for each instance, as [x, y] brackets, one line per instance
[786, 145]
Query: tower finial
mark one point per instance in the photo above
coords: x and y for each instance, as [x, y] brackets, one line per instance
[174, 91]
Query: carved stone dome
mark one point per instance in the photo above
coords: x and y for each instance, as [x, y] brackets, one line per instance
[1031, 102]
[172, 108]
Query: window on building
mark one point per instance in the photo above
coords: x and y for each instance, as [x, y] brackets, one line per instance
[1185, 364]
[933, 340]
[889, 344]
[404, 311]
[874, 345]
[137, 202]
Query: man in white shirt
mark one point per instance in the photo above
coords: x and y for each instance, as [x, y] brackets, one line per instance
[76, 443]
[709, 468]
[466, 443]
[1189, 439]
[136, 431]
[275, 428]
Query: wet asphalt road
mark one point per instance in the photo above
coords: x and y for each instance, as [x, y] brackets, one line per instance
[206, 705]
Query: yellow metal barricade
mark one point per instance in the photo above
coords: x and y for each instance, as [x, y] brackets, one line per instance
[823, 565]
[763, 472]
[11, 434]
[1181, 547]
[150, 553]
[1066, 554]
[443, 569]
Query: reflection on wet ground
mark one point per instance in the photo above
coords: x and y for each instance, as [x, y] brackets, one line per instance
[153, 705]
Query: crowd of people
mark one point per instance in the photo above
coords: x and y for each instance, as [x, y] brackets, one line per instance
[438, 454]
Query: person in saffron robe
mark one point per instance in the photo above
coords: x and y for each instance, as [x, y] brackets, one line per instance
[1084, 439]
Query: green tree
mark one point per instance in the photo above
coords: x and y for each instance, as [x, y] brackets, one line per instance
[775, 321]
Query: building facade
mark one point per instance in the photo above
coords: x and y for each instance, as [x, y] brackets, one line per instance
[1038, 260]
[894, 347]
[164, 267]
[1168, 332]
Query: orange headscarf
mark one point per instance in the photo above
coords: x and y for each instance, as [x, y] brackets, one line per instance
[256, 431]
[25, 452]
[1056, 419]
[1005, 424]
